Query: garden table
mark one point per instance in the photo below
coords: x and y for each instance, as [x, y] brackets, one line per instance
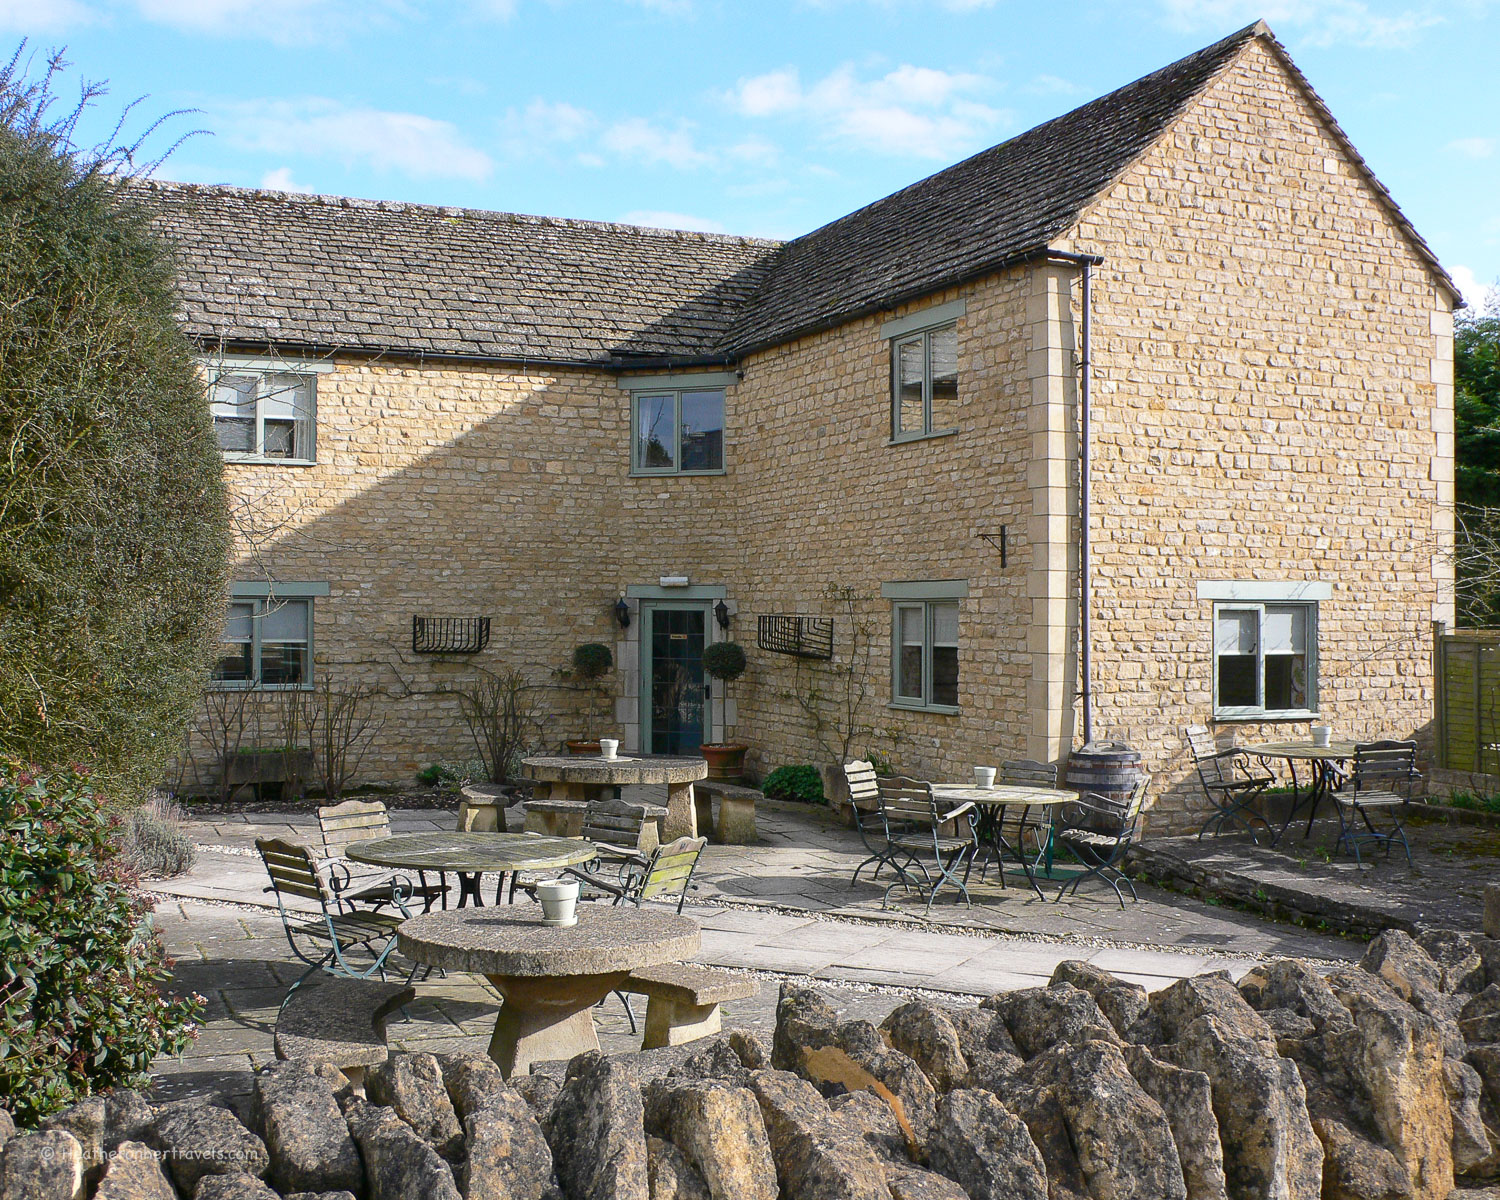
[471, 855]
[992, 803]
[585, 777]
[1324, 762]
[549, 979]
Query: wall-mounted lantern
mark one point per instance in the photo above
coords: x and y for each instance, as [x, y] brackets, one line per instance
[622, 613]
[721, 615]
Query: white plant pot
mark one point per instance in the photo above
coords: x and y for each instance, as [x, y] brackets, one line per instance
[559, 899]
[984, 777]
[1322, 734]
[609, 747]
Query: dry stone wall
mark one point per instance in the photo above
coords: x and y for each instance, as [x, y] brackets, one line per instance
[1380, 1080]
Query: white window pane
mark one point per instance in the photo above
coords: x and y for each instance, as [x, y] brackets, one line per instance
[909, 386]
[656, 433]
[943, 362]
[237, 626]
[1234, 631]
[911, 631]
[284, 621]
[945, 625]
[233, 396]
[235, 434]
[286, 396]
[1285, 629]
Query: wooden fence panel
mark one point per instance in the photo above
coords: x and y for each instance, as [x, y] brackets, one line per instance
[1468, 694]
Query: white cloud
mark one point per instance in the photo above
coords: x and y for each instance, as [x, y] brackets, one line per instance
[280, 180]
[1051, 85]
[1480, 297]
[637, 138]
[920, 112]
[406, 143]
[44, 16]
[542, 126]
[1316, 22]
[672, 220]
[1474, 147]
[282, 21]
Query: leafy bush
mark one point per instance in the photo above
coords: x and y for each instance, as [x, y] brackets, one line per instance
[801, 782]
[437, 774]
[153, 842]
[80, 965]
[1475, 801]
[114, 532]
[592, 660]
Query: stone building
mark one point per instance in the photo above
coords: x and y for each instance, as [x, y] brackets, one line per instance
[559, 425]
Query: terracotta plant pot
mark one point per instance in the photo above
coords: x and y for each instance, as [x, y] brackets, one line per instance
[726, 760]
[583, 747]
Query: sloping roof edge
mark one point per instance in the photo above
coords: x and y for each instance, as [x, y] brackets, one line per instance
[1382, 193]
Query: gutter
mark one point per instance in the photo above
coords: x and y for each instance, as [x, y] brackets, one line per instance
[1086, 264]
[313, 350]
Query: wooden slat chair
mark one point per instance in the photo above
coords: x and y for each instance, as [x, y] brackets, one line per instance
[333, 935]
[665, 873]
[614, 828]
[1098, 831]
[869, 820]
[359, 821]
[1379, 778]
[914, 828]
[1229, 784]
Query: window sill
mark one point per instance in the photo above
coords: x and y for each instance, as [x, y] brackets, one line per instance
[677, 474]
[227, 685]
[1265, 718]
[907, 439]
[255, 460]
[942, 710]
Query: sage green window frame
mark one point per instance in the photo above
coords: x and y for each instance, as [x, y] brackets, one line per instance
[262, 600]
[675, 395]
[923, 600]
[287, 396]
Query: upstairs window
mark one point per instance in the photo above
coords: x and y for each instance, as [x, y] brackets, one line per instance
[1265, 660]
[924, 368]
[264, 416]
[678, 432]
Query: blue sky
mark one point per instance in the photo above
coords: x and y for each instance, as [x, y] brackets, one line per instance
[766, 118]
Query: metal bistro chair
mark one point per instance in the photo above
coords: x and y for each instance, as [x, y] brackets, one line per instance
[293, 872]
[359, 821]
[1380, 777]
[869, 821]
[914, 829]
[1009, 832]
[1098, 831]
[614, 827]
[1228, 784]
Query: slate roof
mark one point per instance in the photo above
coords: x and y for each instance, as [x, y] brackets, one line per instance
[333, 273]
[326, 272]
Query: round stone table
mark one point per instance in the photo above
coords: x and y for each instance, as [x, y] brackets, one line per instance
[583, 777]
[550, 979]
[471, 854]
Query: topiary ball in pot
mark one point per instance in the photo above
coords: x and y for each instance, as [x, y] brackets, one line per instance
[592, 660]
[725, 661]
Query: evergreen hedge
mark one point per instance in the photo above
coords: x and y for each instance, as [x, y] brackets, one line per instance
[114, 526]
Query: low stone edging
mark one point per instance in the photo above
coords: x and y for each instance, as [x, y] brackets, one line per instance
[1376, 1080]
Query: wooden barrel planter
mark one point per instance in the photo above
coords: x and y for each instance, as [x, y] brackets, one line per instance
[1108, 769]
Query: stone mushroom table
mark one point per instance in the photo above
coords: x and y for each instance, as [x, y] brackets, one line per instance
[582, 777]
[549, 978]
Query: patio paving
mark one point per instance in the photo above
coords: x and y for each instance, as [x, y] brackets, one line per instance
[782, 908]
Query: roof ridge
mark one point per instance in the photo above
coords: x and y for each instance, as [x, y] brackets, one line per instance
[331, 200]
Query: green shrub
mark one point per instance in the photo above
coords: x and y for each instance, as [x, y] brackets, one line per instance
[153, 842]
[438, 774]
[114, 530]
[80, 965]
[591, 661]
[802, 783]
